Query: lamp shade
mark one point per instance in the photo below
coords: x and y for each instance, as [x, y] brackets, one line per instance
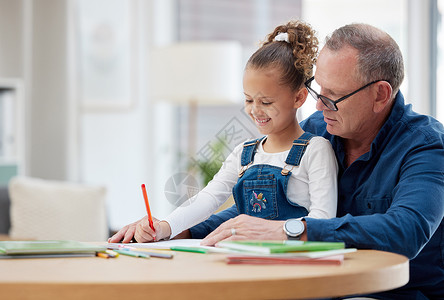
[202, 72]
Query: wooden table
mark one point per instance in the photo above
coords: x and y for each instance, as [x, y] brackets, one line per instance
[197, 276]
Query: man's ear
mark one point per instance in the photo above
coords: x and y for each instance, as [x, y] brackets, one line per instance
[299, 97]
[383, 96]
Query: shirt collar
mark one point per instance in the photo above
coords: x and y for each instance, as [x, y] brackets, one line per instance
[394, 116]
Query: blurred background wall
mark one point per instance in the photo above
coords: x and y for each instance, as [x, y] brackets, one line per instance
[86, 74]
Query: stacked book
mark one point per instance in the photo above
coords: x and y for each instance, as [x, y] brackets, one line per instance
[47, 249]
[285, 252]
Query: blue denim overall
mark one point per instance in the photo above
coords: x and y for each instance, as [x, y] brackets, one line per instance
[261, 190]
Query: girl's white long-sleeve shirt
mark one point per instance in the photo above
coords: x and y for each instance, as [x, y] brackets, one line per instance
[313, 184]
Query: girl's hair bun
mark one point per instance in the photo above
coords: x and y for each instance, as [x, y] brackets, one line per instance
[303, 41]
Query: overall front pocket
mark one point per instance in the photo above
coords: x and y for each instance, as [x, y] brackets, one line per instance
[260, 198]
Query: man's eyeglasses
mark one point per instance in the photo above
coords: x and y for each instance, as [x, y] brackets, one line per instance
[331, 104]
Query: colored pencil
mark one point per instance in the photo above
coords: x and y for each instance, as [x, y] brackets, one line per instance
[147, 205]
[131, 253]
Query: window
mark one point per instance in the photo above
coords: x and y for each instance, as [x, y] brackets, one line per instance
[245, 21]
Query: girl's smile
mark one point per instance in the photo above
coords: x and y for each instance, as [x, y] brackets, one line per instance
[262, 122]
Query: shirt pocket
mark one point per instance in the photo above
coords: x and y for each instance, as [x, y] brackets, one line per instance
[373, 205]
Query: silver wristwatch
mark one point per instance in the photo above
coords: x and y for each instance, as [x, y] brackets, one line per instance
[294, 228]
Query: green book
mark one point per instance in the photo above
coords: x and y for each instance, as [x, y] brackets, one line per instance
[47, 247]
[268, 247]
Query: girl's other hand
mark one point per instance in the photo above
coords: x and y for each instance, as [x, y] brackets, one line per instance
[126, 234]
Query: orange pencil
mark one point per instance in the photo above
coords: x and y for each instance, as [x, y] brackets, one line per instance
[147, 204]
[103, 255]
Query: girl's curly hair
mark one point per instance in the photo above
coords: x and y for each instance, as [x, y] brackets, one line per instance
[295, 57]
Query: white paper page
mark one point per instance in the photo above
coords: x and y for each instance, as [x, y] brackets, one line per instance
[166, 245]
[161, 244]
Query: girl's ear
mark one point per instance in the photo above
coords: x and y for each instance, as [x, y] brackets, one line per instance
[299, 97]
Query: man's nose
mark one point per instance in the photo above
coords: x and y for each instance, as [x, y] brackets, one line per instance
[320, 105]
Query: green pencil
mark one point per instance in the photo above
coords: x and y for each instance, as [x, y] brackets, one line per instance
[131, 253]
[189, 249]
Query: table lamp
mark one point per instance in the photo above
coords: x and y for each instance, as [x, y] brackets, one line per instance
[197, 73]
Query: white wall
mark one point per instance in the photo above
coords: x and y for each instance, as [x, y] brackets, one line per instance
[33, 48]
[419, 53]
[47, 90]
[125, 148]
[11, 45]
[120, 149]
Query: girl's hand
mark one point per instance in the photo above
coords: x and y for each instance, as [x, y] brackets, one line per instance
[126, 234]
[144, 233]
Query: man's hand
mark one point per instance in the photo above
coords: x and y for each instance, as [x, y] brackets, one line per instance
[244, 227]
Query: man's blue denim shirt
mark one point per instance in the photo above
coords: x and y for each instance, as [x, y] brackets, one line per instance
[390, 199]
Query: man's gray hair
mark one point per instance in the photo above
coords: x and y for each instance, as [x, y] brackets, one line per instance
[379, 55]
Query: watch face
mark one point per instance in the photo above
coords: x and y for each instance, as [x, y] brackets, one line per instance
[294, 227]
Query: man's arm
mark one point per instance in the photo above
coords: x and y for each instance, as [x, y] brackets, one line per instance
[202, 229]
[415, 213]
[417, 206]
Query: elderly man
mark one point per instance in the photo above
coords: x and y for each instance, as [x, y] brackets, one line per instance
[391, 178]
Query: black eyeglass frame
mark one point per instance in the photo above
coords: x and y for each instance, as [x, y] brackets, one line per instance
[331, 104]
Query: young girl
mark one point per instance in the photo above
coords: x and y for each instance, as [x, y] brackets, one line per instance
[288, 173]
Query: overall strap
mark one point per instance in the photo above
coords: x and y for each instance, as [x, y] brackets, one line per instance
[249, 151]
[298, 149]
